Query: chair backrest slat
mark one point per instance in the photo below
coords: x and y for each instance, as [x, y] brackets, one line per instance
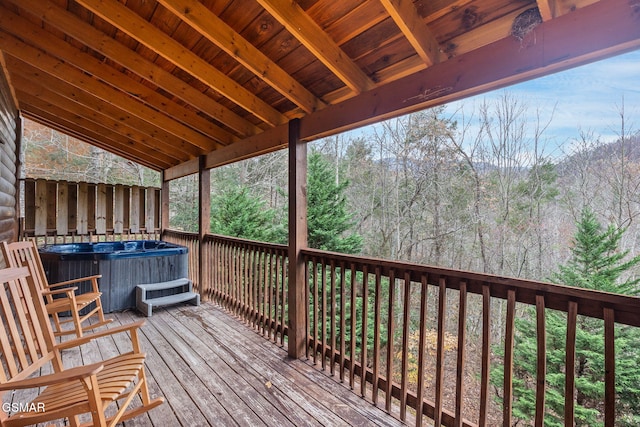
[26, 336]
[25, 254]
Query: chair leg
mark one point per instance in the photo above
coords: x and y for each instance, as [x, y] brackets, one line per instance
[57, 324]
[100, 311]
[77, 324]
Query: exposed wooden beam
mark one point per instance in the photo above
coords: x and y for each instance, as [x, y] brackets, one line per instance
[269, 141]
[77, 130]
[183, 169]
[218, 32]
[406, 17]
[88, 84]
[614, 28]
[547, 9]
[110, 128]
[139, 29]
[41, 39]
[305, 29]
[100, 111]
[80, 30]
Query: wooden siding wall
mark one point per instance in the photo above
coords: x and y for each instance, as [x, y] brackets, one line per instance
[10, 135]
[63, 208]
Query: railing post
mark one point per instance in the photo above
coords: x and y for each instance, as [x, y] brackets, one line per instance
[297, 240]
[164, 200]
[204, 219]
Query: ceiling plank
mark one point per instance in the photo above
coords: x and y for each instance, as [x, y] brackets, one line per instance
[41, 39]
[218, 32]
[406, 17]
[58, 104]
[559, 44]
[105, 45]
[85, 83]
[314, 38]
[139, 29]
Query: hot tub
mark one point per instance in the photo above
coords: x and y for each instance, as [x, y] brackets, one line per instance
[123, 265]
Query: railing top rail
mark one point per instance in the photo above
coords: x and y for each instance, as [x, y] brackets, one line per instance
[181, 232]
[590, 302]
[246, 242]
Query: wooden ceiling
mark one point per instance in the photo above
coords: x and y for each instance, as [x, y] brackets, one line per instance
[165, 82]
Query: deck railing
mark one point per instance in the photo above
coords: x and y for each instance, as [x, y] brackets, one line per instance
[411, 338]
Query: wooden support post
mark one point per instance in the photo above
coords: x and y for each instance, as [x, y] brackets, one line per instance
[164, 200]
[204, 221]
[297, 240]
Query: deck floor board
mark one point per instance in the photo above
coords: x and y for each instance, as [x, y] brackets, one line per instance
[214, 370]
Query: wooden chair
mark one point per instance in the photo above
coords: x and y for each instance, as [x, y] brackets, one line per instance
[60, 297]
[28, 344]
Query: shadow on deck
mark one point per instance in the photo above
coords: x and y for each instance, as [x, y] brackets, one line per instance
[214, 370]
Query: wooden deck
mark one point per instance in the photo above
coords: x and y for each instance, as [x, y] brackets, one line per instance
[214, 370]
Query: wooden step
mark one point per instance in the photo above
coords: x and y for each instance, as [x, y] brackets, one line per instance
[146, 301]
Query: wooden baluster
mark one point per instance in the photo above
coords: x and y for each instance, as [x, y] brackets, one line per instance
[323, 306]
[609, 368]
[277, 309]
[270, 293]
[486, 354]
[314, 273]
[570, 364]
[308, 277]
[332, 315]
[390, 333]
[442, 304]
[421, 349]
[364, 338]
[508, 358]
[462, 328]
[343, 315]
[376, 337]
[352, 332]
[405, 346]
[283, 299]
[541, 369]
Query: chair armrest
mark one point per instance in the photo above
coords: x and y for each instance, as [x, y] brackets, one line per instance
[69, 291]
[67, 375]
[131, 327]
[93, 279]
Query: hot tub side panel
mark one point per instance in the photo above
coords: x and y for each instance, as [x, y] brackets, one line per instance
[119, 276]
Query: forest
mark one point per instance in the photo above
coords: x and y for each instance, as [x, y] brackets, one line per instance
[485, 195]
[488, 190]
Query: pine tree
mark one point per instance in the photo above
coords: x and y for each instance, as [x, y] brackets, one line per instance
[329, 223]
[596, 263]
[237, 213]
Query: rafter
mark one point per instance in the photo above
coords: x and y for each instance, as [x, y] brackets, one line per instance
[85, 83]
[139, 29]
[218, 32]
[561, 43]
[65, 21]
[547, 9]
[406, 17]
[41, 39]
[75, 127]
[298, 23]
[56, 93]
[59, 105]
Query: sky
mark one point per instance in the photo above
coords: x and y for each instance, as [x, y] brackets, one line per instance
[587, 98]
